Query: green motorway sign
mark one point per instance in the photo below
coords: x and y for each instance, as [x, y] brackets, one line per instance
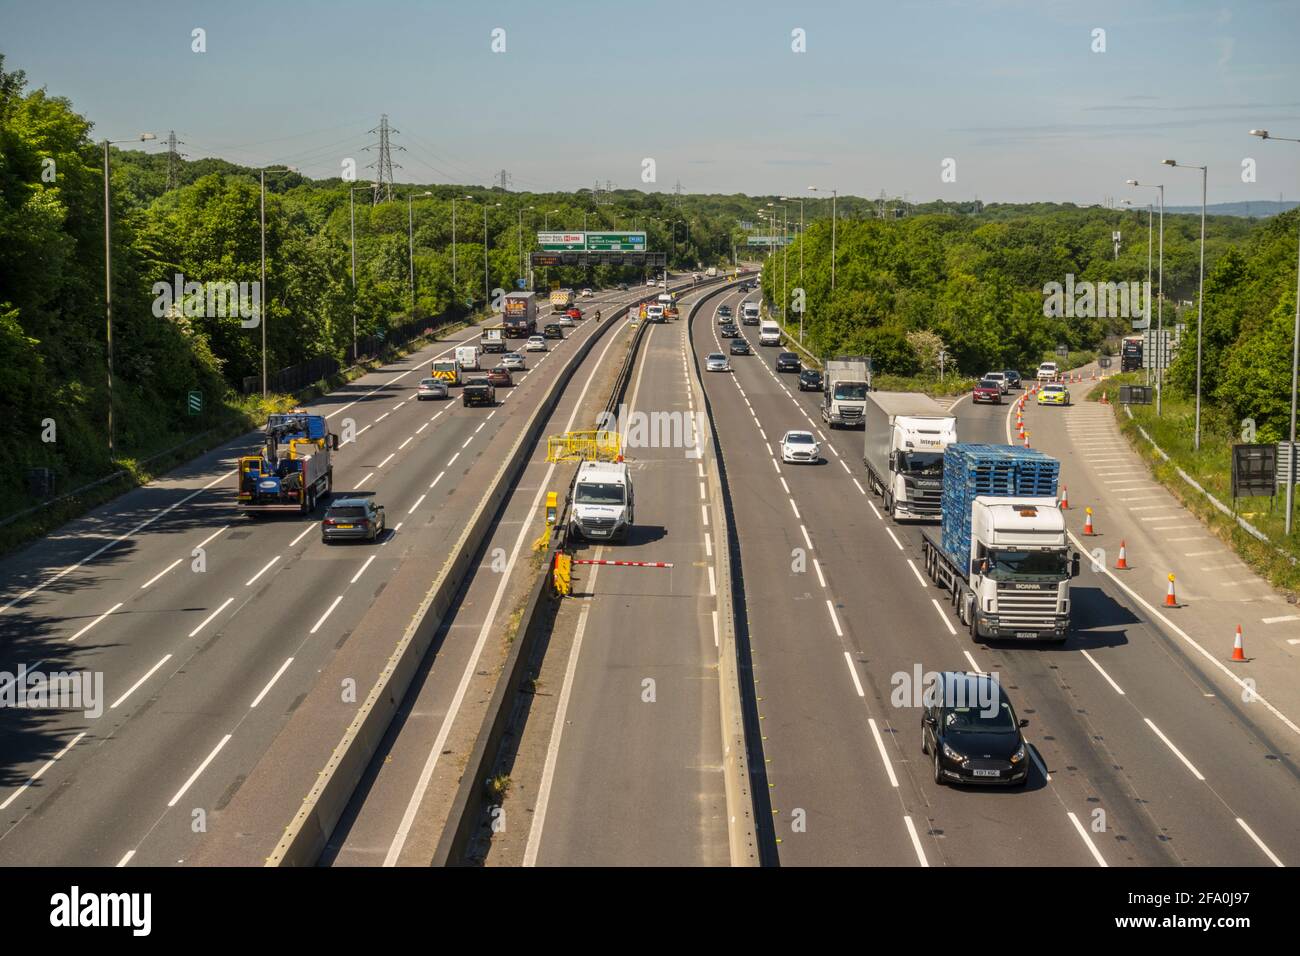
[616, 242]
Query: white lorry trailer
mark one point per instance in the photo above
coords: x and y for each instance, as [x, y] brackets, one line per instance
[905, 434]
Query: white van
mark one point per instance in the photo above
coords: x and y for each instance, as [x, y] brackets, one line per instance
[654, 313]
[602, 501]
[769, 333]
[467, 357]
[749, 313]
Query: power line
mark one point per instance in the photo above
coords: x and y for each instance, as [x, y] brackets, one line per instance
[173, 158]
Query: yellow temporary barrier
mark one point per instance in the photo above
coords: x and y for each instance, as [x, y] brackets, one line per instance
[561, 574]
[585, 446]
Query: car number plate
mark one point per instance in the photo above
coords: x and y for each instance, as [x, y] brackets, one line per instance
[1026, 634]
[986, 773]
[345, 527]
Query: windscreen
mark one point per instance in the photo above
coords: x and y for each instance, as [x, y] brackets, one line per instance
[994, 720]
[922, 464]
[598, 493]
[851, 392]
[1006, 564]
[346, 511]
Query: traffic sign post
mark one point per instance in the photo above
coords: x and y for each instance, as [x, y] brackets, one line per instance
[195, 402]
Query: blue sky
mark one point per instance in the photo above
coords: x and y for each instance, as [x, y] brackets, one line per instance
[711, 91]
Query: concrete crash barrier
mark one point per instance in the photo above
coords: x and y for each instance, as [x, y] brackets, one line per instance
[306, 835]
[467, 810]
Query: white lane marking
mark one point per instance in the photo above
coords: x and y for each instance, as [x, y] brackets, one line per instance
[1279, 620]
[452, 459]
[418, 501]
[920, 580]
[365, 478]
[136, 686]
[857, 686]
[1083, 834]
[880, 741]
[703, 493]
[207, 620]
[125, 860]
[271, 683]
[195, 775]
[704, 514]
[1177, 753]
[160, 574]
[362, 569]
[971, 660]
[1259, 843]
[382, 417]
[708, 545]
[817, 566]
[807, 540]
[472, 664]
[328, 612]
[1141, 497]
[834, 620]
[715, 627]
[795, 509]
[1042, 767]
[785, 486]
[493, 412]
[1215, 662]
[916, 841]
[41, 772]
[466, 443]
[385, 461]
[211, 536]
[1119, 690]
[699, 466]
[713, 583]
[480, 426]
[1199, 554]
[405, 443]
[844, 465]
[775, 466]
[946, 623]
[120, 538]
[436, 480]
[266, 567]
[422, 428]
[890, 532]
[305, 531]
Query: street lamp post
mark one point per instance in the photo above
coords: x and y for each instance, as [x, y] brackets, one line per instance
[1295, 359]
[487, 293]
[801, 311]
[410, 241]
[834, 196]
[1161, 357]
[108, 275]
[352, 242]
[1200, 296]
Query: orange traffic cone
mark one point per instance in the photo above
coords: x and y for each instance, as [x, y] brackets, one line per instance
[1122, 563]
[1026, 439]
[1170, 600]
[1087, 521]
[1065, 498]
[1021, 433]
[1238, 649]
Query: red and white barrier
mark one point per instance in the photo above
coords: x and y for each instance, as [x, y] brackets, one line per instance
[625, 564]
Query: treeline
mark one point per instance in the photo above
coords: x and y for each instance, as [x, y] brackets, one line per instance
[973, 285]
[207, 229]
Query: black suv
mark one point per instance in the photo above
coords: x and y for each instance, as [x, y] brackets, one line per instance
[728, 331]
[787, 362]
[971, 732]
[352, 518]
[1013, 378]
[810, 380]
[740, 347]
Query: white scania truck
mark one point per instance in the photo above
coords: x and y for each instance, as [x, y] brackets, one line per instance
[846, 382]
[905, 437]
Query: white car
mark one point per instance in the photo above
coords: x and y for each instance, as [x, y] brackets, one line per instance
[513, 361]
[566, 321]
[535, 343]
[650, 282]
[716, 362]
[797, 446]
[1047, 372]
[999, 377]
[586, 293]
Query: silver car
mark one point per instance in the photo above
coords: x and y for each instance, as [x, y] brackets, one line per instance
[514, 361]
[430, 388]
[717, 362]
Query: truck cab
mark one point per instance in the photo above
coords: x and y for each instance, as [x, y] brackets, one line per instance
[603, 502]
[844, 393]
[905, 435]
[1020, 568]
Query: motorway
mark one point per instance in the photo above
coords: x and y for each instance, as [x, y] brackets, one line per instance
[1137, 761]
[210, 628]
[621, 763]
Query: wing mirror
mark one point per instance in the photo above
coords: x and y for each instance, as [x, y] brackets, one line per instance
[1024, 722]
[1074, 565]
[334, 442]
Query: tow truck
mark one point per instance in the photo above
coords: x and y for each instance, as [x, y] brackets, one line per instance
[294, 470]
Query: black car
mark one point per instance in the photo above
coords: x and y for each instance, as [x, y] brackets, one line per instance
[724, 313]
[729, 331]
[352, 518]
[622, 287]
[553, 331]
[810, 380]
[971, 732]
[1013, 378]
[787, 362]
[740, 347]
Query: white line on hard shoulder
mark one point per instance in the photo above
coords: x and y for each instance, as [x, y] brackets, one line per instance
[362, 569]
[946, 623]
[919, 579]
[328, 611]
[41, 772]
[1083, 834]
[201, 767]
[818, 568]
[209, 618]
[271, 683]
[136, 686]
[853, 672]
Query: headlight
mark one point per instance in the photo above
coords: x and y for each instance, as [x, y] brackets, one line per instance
[953, 755]
[1019, 755]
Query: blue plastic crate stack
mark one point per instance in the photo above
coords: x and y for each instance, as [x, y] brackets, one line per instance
[970, 470]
